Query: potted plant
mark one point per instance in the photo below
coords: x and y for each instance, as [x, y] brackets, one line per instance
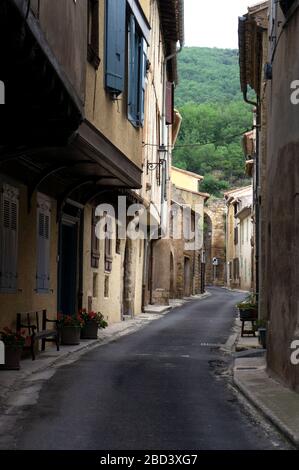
[248, 309]
[262, 330]
[14, 343]
[70, 329]
[92, 321]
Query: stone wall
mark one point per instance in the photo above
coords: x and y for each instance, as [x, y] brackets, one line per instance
[215, 211]
[282, 217]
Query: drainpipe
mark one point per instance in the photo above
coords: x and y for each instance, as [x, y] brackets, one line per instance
[256, 193]
[257, 203]
[165, 167]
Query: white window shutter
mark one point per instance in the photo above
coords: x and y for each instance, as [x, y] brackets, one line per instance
[43, 244]
[9, 202]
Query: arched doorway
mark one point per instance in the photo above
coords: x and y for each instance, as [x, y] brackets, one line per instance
[208, 237]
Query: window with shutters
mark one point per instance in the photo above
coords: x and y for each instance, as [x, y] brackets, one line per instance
[9, 213]
[43, 244]
[93, 33]
[236, 269]
[95, 243]
[115, 46]
[117, 26]
[236, 235]
[108, 245]
[137, 70]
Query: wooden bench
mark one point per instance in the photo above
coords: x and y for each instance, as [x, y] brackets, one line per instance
[36, 324]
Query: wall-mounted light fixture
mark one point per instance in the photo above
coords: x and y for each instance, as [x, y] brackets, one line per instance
[152, 166]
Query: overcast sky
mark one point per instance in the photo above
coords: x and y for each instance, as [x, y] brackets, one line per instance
[214, 23]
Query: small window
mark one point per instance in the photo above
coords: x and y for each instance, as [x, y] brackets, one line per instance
[95, 243]
[236, 269]
[95, 285]
[236, 236]
[108, 246]
[106, 287]
[235, 208]
[93, 33]
[9, 228]
[118, 240]
[43, 244]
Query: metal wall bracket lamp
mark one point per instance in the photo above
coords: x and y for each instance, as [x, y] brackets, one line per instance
[152, 166]
[162, 152]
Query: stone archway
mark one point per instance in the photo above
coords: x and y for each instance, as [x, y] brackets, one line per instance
[208, 237]
[215, 241]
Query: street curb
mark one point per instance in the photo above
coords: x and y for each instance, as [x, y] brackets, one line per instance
[236, 290]
[231, 343]
[267, 413]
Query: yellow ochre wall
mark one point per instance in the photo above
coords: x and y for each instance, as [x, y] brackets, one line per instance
[111, 307]
[109, 117]
[185, 179]
[26, 298]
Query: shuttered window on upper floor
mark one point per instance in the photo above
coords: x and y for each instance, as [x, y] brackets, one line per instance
[137, 69]
[43, 245]
[123, 29]
[115, 46]
[9, 225]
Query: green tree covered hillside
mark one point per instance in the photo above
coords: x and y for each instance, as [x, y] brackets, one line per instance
[214, 114]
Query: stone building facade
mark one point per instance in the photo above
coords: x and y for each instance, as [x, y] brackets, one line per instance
[239, 231]
[81, 114]
[187, 267]
[254, 51]
[269, 64]
[282, 203]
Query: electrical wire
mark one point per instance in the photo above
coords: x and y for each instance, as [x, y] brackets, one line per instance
[200, 144]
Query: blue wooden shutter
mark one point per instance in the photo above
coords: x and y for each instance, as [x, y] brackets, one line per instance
[142, 80]
[43, 248]
[115, 45]
[133, 56]
[9, 239]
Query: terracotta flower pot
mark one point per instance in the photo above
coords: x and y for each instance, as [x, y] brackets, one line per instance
[12, 358]
[90, 330]
[70, 335]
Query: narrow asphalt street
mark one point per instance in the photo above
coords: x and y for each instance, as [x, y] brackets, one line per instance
[160, 388]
